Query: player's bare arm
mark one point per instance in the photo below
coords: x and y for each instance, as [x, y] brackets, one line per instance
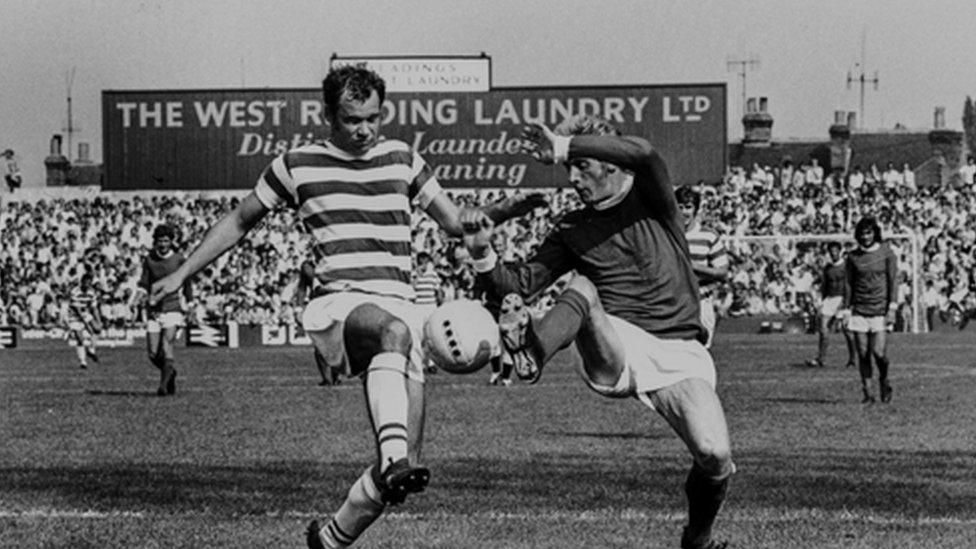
[221, 237]
[630, 153]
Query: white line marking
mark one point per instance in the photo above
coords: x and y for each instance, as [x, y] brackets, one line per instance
[764, 516]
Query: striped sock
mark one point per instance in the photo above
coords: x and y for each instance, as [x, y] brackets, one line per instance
[386, 393]
[361, 507]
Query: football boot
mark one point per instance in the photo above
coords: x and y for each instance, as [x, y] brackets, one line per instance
[515, 326]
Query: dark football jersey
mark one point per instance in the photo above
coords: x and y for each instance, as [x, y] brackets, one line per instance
[871, 280]
[155, 268]
[834, 279]
[634, 252]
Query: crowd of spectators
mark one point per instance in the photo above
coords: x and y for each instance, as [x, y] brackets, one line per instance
[48, 245]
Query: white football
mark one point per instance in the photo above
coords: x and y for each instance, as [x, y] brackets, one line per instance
[461, 336]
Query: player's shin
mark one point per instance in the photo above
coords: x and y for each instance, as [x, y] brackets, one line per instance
[386, 393]
[363, 505]
[705, 497]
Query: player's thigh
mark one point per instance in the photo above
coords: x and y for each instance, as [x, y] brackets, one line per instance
[692, 408]
[167, 339]
[879, 342]
[598, 343]
[153, 339]
[370, 329]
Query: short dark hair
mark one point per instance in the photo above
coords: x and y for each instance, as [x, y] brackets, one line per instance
[834, 246]
[164, 230]
[868, 222]
[688, 194]
[355, 80]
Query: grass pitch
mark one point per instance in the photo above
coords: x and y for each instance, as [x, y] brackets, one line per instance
[250, 450]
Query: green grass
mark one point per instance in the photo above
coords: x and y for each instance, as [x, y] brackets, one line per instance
[250, 450]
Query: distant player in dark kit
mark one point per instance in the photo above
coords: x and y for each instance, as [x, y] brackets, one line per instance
[832, 285]
[164, 318]
[632, 308]
[872, 296]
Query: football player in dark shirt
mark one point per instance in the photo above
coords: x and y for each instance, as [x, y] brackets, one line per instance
[832, 296]
[164, 318]
[633, 307]
[872, 296]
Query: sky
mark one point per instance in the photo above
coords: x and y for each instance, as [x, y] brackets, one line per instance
[922, 52]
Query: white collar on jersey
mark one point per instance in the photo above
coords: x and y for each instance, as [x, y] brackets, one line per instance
[872, 247]
[617, 198]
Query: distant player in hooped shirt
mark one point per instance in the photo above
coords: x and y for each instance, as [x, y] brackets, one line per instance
[872, 296]
[632, 308]
[164, 318]
[82, 312]
[832, 285]
[708, 257]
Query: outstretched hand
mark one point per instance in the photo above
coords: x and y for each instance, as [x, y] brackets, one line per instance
[477, 227]
[164, 287]
[539, 142]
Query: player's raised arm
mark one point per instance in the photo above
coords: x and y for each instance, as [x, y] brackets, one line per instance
[630, 153]
[448, 214]
[224, 234]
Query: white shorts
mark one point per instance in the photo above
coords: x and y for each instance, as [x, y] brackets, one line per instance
[830, 306]
[323, 311]
[160, 321]
[78, 332]
[708, 320]
[867, 324]
[653, 363]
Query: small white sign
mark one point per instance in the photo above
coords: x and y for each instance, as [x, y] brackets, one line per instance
[428, 74]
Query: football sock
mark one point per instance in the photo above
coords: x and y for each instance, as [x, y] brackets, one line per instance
[386, 395]
[864, 365]
[82, 355]
[882, 370]
[705, 498]
[362, 506]
[558, 328]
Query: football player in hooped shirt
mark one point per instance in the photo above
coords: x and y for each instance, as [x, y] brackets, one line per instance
[632, 309]
[353, 193]
[872, 296]
[165, 317]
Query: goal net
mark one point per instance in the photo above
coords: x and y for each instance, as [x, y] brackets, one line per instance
[784, 271]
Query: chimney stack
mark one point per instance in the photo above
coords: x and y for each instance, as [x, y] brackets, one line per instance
[757, 123]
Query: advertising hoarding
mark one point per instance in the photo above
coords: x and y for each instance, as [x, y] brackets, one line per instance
[222, 139]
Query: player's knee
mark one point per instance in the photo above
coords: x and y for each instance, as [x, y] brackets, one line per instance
[715, 458]
[585, 287]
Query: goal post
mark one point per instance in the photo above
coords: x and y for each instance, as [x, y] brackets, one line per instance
[908, 244]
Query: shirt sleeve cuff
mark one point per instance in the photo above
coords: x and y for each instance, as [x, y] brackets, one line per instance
[560, 148]
[485, 264]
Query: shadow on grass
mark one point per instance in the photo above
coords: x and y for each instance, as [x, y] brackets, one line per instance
[905, 483]
[95, 392]
[797, 400]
